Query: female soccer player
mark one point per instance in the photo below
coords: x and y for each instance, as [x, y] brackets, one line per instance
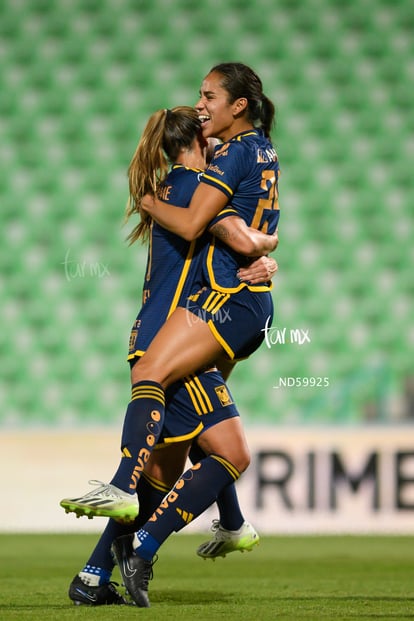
[172, 272]
[241, 180]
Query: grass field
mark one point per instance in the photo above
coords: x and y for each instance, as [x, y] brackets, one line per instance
[284, 578]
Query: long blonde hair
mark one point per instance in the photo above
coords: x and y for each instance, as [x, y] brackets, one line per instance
[165, 134]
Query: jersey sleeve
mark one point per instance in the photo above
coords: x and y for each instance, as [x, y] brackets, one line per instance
[180, 186]
[224, 213]
[227, 168]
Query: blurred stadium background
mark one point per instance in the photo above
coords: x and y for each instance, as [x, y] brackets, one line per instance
[79, 78]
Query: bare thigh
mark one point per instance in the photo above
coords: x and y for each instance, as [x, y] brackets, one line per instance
[180, 348]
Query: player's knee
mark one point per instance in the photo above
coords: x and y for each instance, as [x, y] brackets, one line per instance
[242, 461]
[147, 370]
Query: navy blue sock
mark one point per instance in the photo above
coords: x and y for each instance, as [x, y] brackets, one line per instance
[194, 491]
[143, 423]
[101, 557]
[150, 494]
[230, 514]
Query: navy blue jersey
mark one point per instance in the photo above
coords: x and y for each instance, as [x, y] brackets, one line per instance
[173, 268]
[246, 170]
[173, 272]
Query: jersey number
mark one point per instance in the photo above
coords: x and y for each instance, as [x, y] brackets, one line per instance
[271, 202]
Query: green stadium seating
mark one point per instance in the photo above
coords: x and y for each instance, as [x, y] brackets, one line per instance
[78, 80]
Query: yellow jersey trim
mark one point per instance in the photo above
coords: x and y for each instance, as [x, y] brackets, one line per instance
[136, 354]
[219, 183]
[242, 285]
[183, 277]
[220, 339]
[148, 274]
[187, 436]
[198, 395]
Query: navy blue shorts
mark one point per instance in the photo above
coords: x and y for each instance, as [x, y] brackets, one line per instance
[237, 320]
[195, 404]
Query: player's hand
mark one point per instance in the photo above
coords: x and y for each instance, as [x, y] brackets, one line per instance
[148, 203]
[260, 270]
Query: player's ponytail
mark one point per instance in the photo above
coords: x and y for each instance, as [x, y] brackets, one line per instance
[166, 133]
[267, 115]
[147, 168]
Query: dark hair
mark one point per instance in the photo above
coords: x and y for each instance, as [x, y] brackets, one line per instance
[239, 80]
[165, 134]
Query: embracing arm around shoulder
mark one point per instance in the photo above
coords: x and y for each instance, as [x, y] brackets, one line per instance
[191, 222]
[234, 232]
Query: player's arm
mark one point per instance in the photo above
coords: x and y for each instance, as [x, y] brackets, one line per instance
[234, 232]
[189, 223]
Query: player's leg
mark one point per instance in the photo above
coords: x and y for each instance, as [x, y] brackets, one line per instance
[231, 531]
[186, 343]
[144, 418]
[194, 491]
[178, 349]
[166, 465]
[230, 513]
[92, 586]
[205, 398]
